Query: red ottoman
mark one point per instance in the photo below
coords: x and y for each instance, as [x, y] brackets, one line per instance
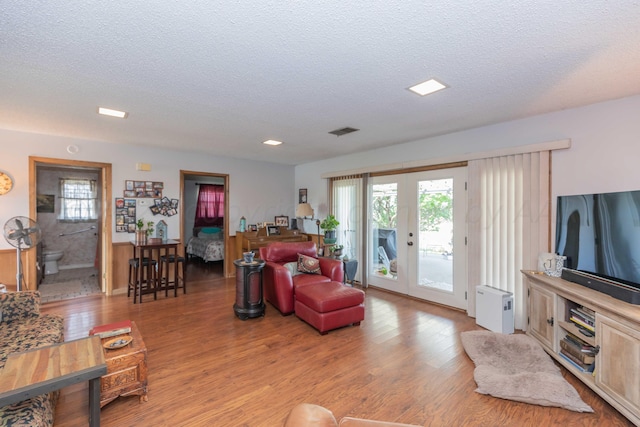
[331, 305]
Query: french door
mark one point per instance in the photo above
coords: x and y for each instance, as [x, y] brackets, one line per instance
[417, 232]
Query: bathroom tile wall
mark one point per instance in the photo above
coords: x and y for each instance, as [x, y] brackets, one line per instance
[79, 249]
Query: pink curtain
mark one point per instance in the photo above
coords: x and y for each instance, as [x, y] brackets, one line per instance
[210, 209]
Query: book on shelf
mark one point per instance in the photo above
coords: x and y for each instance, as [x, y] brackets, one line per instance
[580, 343]
[576, 363]
[582, 324]
[112, 329]
[587, 312]
[577, 352]
[581, 315]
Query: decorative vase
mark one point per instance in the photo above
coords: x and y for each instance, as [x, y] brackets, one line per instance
[141, 237]
[248, 257]
[553, 267]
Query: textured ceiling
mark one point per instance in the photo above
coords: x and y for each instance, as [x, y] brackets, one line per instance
[220, 77]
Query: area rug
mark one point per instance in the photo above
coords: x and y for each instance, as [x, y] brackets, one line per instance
[67, 290]
[515, 367]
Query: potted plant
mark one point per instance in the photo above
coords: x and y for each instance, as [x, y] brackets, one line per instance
[142, 233]
[336, 250]
[329, 225]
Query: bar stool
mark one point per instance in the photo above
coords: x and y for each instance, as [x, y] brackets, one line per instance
[178, 281]
[134, 278]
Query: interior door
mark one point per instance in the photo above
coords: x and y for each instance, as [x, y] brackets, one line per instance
[418, 231]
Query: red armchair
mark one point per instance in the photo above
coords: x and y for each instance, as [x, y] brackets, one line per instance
[279, 284]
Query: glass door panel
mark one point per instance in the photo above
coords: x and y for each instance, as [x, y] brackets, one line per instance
[386, 256]
[439, 270]
[435, 225]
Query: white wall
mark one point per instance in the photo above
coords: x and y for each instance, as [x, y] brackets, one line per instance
[603, 157]
[604, 154]
[257, 190]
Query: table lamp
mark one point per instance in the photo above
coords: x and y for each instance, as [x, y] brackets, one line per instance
[304, 210]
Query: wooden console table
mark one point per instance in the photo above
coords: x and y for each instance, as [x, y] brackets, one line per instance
[253, 240]
[46, 369]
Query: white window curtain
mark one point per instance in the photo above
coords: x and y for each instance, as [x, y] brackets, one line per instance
[78, 200]
[347, 207]
[508, 222]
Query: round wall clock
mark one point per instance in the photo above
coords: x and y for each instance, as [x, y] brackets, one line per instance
[6, 183]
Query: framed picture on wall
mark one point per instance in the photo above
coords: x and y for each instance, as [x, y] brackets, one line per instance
[302, 195]
[45, 203]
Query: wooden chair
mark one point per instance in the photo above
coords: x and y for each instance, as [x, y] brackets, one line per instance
[180, 276]
[147, 284]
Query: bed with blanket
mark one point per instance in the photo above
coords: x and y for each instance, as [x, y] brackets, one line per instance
[206, 243]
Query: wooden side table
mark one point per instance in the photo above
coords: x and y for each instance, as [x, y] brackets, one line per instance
[40, 371]
[126, 370]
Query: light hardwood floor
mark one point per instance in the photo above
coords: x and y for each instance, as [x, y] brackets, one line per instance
[404, 363]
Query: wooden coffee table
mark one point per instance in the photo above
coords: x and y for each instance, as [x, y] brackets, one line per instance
[45, 369]
[126, 370]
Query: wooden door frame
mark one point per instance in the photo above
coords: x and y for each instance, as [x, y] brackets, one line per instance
[226, 267]
[105, 240]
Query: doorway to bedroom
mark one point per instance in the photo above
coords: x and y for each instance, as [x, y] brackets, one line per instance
[205, 228]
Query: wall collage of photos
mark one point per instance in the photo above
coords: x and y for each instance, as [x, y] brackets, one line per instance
[126, 206]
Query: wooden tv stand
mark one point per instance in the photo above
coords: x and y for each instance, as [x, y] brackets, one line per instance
[617, 336]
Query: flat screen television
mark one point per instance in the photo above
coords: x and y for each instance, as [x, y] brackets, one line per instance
[600, 236]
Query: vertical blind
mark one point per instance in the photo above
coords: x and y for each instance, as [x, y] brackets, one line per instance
[347, 207]
[508, 222]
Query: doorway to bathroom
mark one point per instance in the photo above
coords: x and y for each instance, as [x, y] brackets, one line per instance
[70, 204]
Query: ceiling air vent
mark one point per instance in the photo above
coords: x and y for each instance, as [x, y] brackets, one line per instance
[343, 131]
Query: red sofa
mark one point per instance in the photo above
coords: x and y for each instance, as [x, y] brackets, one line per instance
[278, 282]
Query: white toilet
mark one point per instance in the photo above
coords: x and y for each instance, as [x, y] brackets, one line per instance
[51, 259]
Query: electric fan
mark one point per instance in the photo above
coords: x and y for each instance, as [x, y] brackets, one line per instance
[23, 234]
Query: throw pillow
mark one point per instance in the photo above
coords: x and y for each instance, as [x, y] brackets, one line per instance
[307, 264]
[210, 233]
[211, 230]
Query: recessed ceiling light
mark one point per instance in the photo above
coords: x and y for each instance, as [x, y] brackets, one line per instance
[425, 88]
[112, 113]
[272, 142]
